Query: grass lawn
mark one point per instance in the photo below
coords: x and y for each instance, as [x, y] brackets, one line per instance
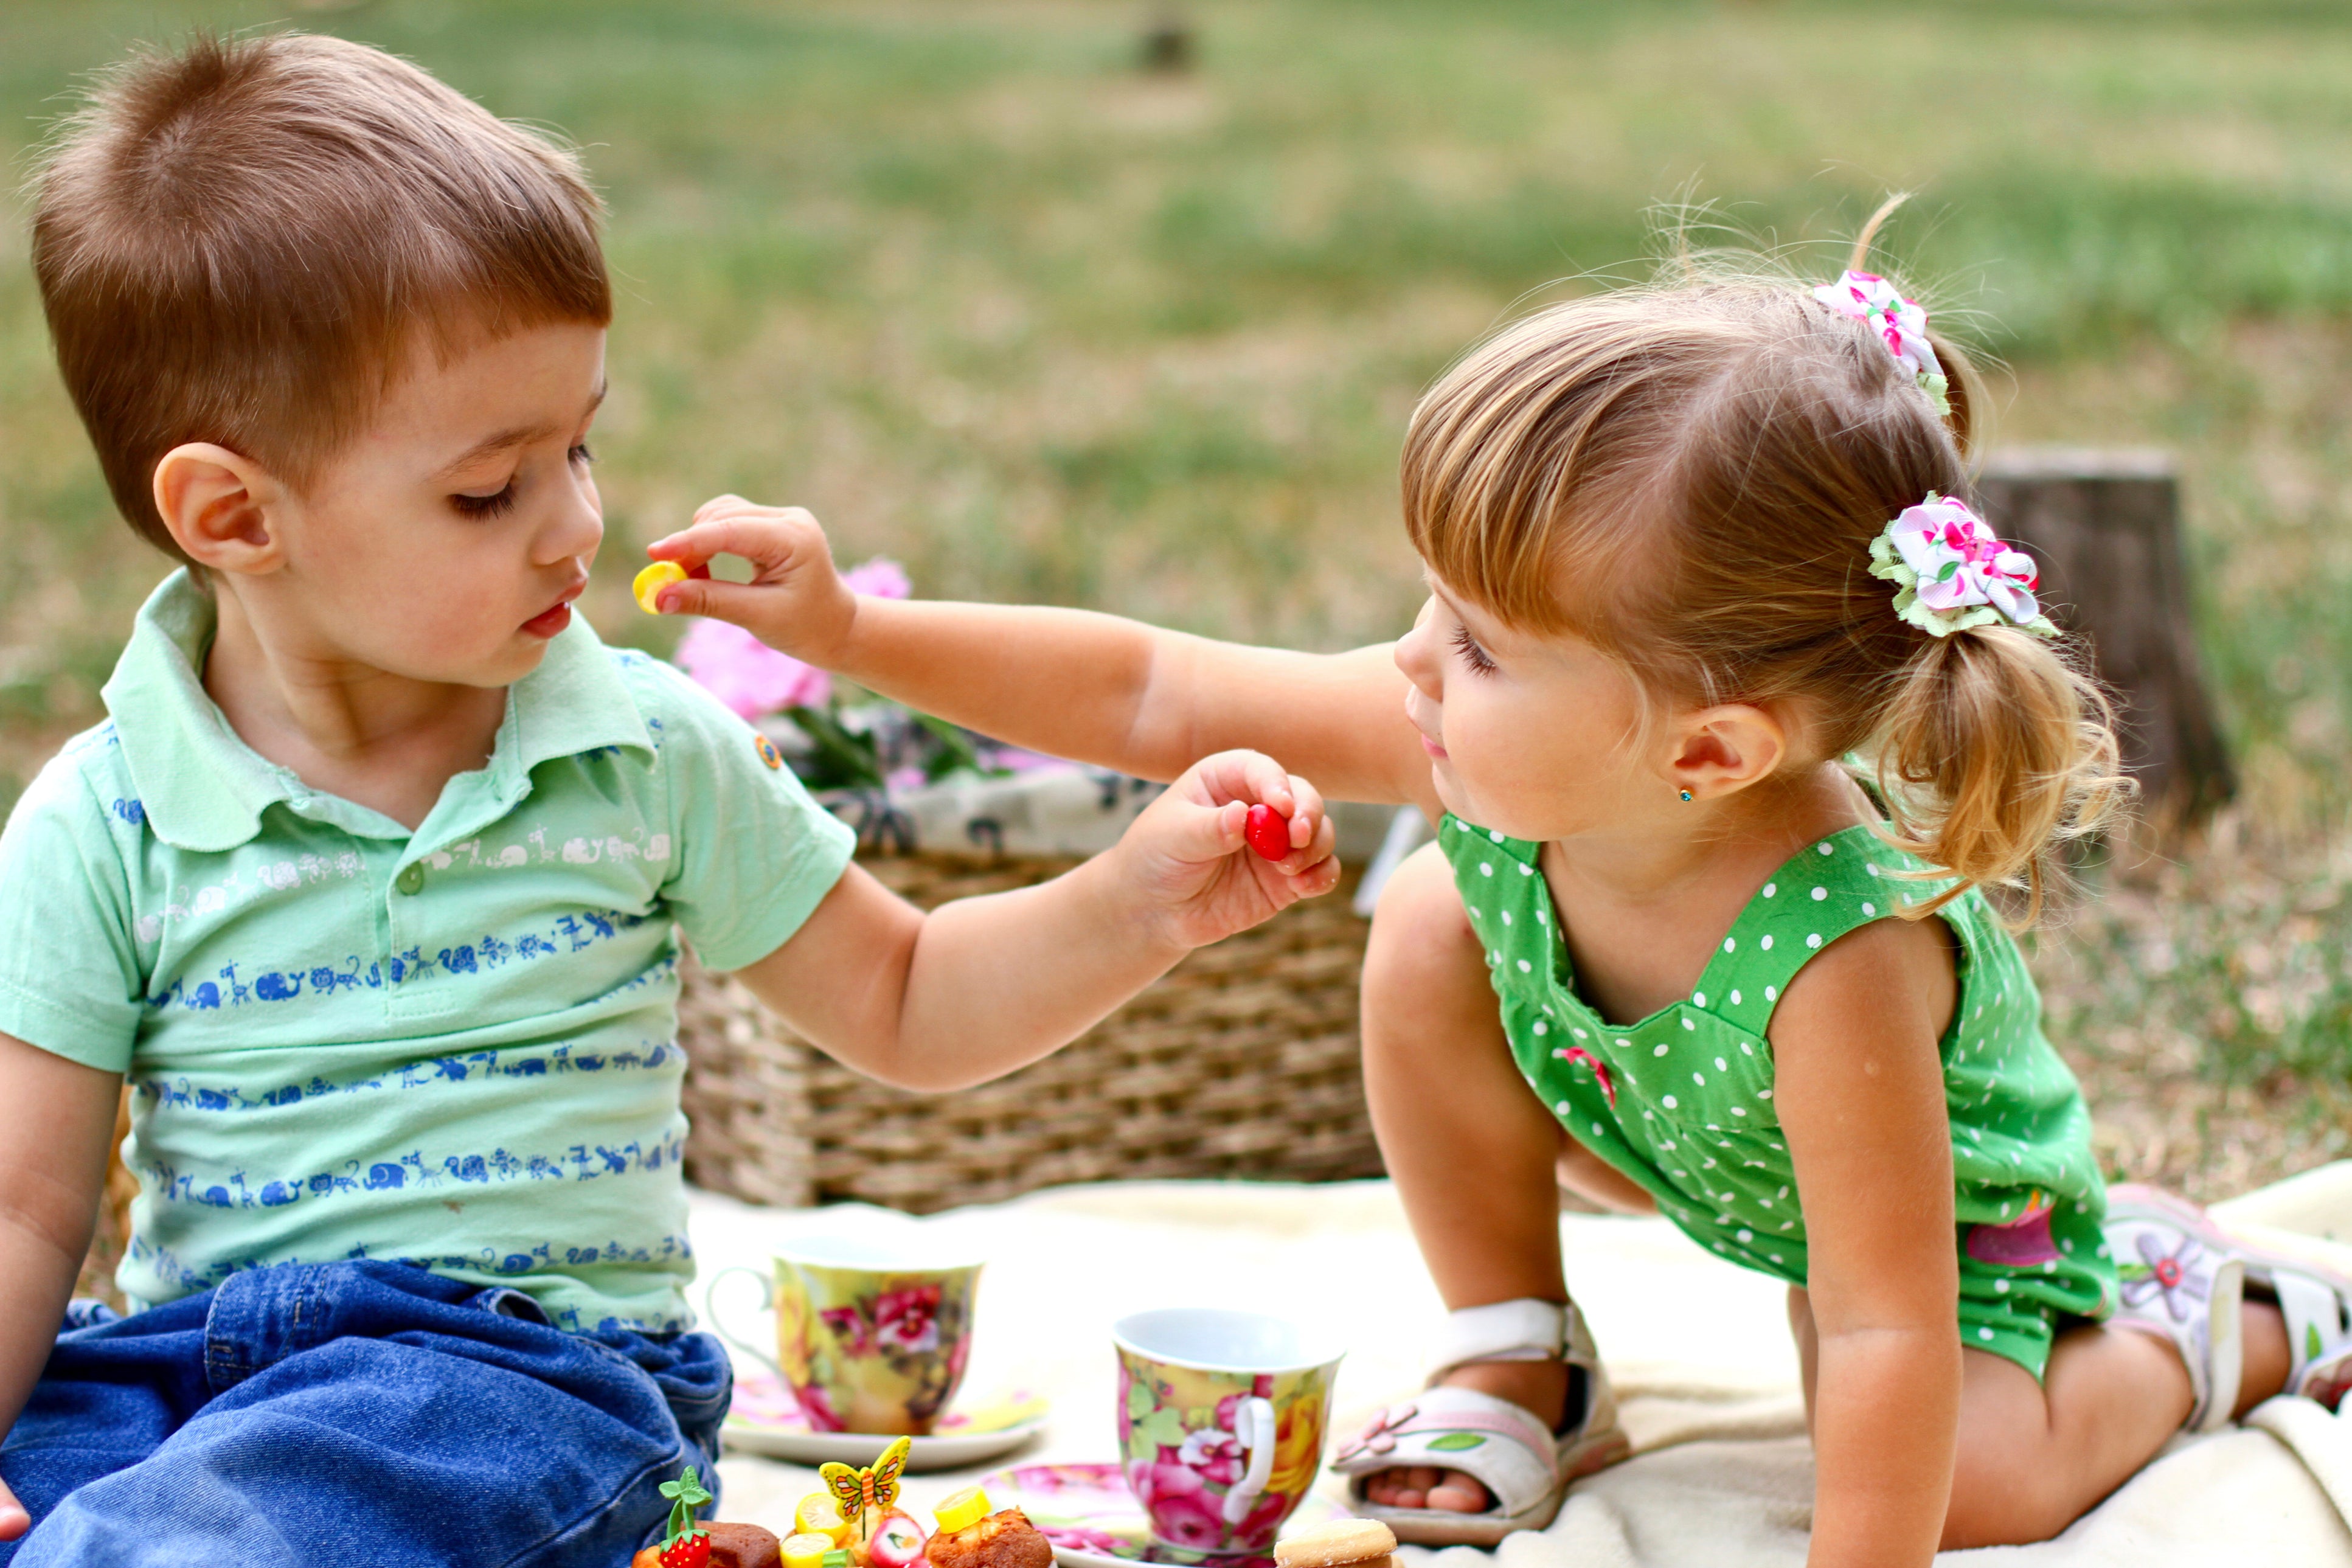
[989, 298]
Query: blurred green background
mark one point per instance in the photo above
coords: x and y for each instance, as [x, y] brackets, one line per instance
[966, 279]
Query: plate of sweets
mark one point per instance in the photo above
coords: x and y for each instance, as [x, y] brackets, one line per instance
[1092, 1519]
[767, 1418]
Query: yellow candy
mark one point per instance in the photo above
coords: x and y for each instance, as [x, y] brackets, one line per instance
[958, 1509]
[652, 581]
[818, 1514]
[806, 1550]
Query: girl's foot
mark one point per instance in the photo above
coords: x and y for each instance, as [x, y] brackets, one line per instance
[1539, 1387]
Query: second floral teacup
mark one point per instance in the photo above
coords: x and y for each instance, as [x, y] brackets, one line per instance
[873, 1332]
[1221, 1417]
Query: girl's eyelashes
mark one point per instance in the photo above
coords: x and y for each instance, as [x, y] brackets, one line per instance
[581, 455]
[1472, 654]
[495, 505]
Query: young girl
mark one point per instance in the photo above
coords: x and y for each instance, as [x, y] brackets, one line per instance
[1688, 549]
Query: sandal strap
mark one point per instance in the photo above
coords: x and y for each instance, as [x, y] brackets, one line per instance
[1521, 1329]
[1504, 1447]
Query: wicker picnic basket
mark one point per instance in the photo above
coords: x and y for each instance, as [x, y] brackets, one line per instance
[1241, 1062]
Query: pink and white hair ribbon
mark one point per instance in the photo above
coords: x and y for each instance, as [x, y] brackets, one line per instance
[1952, 573]
[1901, 324]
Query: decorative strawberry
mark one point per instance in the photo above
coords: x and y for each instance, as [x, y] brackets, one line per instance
[685, 1544]
[1268, 832]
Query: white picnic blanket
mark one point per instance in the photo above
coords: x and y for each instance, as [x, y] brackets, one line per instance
[1699, 1348]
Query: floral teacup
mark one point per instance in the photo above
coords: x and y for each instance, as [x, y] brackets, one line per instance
[1221, 1418]
[872, 1333]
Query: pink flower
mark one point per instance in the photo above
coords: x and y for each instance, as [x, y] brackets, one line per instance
[907, 1320]
[849, 1329]
[1216, 1456]
[1152, 1481]
[1191, 1521]
[748, 675]
[1902, 324]
[818, 1408]
[1959, 563]
[882, 577]
[1255, 1531]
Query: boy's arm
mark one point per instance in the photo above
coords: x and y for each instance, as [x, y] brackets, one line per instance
[57, 1118]
[981, 986]
[1093, 687]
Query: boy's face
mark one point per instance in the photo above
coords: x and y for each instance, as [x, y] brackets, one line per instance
[447, 542]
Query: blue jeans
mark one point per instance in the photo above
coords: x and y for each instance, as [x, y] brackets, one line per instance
[358, 1412]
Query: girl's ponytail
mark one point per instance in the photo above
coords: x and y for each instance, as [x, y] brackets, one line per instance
[1995, 750]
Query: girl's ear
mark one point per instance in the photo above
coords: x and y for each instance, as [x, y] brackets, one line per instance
[216, 504]
[1722, 750]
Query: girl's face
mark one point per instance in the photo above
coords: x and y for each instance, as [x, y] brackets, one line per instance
[1532, 736]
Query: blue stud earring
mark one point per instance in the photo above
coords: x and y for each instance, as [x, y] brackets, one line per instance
[1686, 794]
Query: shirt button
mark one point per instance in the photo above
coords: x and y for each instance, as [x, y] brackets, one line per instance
[411, 878]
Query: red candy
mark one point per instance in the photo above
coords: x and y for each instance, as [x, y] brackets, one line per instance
[1268, 832]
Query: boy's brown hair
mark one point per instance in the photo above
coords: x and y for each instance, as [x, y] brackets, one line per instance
[242, 242]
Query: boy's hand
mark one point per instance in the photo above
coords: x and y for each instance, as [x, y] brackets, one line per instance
[1189, 859]
[795, 602]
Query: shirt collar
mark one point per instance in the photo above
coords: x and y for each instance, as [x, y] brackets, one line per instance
[204, 789]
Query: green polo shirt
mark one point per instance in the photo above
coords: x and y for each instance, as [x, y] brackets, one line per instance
[455, 1045]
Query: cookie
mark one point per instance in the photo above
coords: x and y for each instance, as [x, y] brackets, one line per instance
[1343, 1541]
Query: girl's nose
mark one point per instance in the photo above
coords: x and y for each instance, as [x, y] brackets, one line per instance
[1415, 654]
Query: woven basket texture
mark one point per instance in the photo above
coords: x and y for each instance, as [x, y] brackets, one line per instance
[1242, 1062]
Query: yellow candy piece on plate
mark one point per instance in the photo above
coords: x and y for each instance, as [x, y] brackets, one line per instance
[818, 1514]
[958, 1509]
[652, 581]
[806, 1550]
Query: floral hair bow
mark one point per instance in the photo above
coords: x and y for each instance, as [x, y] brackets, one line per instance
[1952, 573]
[1900, 323]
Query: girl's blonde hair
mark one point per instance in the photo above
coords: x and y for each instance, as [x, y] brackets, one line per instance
[1689, 476]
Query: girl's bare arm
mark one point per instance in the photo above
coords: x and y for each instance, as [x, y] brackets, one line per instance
[1859, 1085]
[1094, 688]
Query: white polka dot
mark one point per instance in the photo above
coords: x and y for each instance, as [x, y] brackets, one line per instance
[1770, 888]
[1596, 1127]
[1494, 835]
[1661, 1049]
[2002, 1286]
[1526, 968]
[1871, 866]
[1699, 1078]
[1776, 1258]
[1738, 1110]
[1506, 917]
[1746, 1234]
[1771, 993]
[1820, 893]
[1486, 867]
[1560, 1055]
[1578, 1033]
[1541, 918]
[1869, 909]
[1542, 1027]
[1826, 848]
[1746, 1049]
[1669, 1103]
[1688, 1025]
[1560, 1109]
[1766, 944]
[1476, 913]
[1722, 1065]
[1730, 944]
[1493, 959]
[1984, 1333]
[1735, 998]
[1698, 998]
[1812, 940]
[1783, 1193]
[1526, 870]
[1765, 1094]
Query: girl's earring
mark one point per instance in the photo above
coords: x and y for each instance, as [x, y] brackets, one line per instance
[1686, 794]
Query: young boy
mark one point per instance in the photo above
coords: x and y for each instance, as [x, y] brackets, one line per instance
[369, 883]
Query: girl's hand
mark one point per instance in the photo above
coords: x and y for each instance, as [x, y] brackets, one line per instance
[795, 602]
[1187, 857]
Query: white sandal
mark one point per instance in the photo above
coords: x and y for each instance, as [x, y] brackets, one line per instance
[2182, 1279]
[1524, 1467]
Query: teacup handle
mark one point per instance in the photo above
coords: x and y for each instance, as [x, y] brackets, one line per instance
[1255, 1418]
[719, 1320]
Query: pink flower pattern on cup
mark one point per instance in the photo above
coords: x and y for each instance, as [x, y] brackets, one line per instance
[907, 1320]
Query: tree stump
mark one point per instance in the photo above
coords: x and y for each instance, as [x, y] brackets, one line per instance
[2106, 527]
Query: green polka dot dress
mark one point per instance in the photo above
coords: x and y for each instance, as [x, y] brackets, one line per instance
[1682, 1101]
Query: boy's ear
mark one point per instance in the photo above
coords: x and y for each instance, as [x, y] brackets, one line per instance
[1724, 749]
[216, 504]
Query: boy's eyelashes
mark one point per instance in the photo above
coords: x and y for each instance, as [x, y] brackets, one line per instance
[501, 501]
[1472, 654]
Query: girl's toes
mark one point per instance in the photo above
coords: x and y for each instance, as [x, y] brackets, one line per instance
[1458, 1493]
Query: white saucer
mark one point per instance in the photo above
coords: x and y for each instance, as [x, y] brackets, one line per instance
[952, 1451]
